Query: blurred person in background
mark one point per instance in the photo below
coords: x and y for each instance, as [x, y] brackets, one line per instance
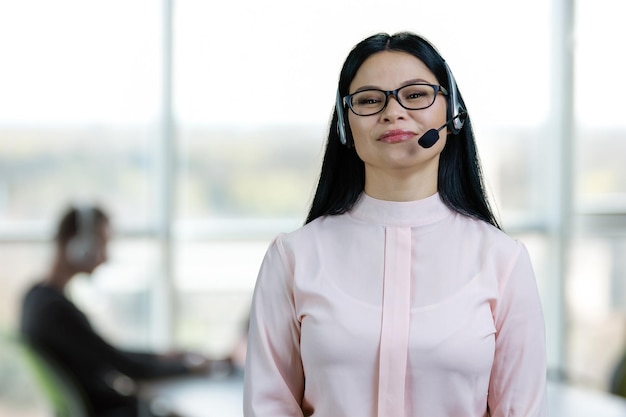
[53, 325]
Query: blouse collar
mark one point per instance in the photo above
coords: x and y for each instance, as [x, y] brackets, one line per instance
[393, 213]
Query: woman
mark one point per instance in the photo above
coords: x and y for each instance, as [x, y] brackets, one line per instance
[400, 296]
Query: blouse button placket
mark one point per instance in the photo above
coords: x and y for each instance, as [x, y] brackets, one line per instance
[396, 310]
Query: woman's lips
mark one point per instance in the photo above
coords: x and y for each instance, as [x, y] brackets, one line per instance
[396, 136]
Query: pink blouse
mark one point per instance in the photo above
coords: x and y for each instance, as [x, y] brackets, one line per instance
[396, 310]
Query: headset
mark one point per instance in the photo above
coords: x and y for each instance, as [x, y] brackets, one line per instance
[341, 123]
[82, 248]
[456, 112]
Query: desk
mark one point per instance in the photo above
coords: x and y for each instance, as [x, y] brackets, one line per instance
[569, 401]
[199, 396]
[204, 396]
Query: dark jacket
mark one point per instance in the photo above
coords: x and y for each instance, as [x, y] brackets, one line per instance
[52, 324]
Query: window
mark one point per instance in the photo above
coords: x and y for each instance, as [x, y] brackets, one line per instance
[183, 124]
[80, 114]
[595, 294]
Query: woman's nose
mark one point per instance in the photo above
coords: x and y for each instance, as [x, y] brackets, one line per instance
[393, 110]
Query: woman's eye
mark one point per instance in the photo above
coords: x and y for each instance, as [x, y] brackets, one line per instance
[365, 101]
[415, 93]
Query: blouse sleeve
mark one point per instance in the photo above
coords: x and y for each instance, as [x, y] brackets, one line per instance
[518, 377]
[274, 378]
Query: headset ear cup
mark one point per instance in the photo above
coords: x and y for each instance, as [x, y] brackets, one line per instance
[341, 131]
[341, 123]
[82, 248]
[81, 251]
[456, 112]
[345, 136]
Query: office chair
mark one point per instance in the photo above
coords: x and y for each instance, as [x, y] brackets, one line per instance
[59, 387]
[618, 378]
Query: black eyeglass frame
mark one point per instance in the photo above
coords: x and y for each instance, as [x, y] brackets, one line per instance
[347, 100]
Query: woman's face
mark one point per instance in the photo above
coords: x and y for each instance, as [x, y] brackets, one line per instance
[387, 141]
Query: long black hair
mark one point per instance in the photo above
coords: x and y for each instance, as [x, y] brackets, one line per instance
[342, 177]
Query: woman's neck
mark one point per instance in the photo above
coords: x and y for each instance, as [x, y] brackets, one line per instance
[398, 186]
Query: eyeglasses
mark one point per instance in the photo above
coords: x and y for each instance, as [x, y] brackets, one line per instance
[411, 97]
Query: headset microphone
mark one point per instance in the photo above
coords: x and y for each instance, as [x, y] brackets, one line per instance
[431, 136]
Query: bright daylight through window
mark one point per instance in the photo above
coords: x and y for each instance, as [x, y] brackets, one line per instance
[202, 133]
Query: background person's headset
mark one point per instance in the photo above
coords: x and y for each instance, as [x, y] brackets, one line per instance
[455, 112]
[82, 248]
